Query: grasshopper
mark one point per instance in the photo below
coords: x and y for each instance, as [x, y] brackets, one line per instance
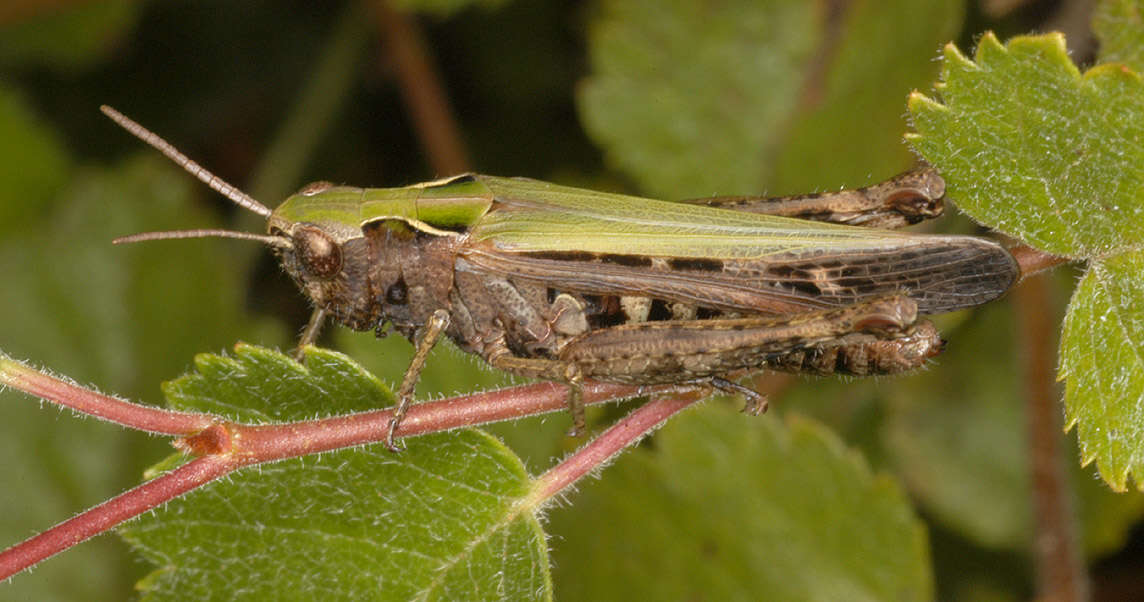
[572, 285]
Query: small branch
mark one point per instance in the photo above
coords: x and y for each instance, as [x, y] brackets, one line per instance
[1032, 261]
[224, 447]
[423, 92]
[300, 438]
[266, 443]
[112, 512]
[637, 425]
[1057, 556]
[133, 415]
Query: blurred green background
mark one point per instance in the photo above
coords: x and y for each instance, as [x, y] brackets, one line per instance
[672, 100]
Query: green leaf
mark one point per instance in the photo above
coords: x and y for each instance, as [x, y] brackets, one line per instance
[240, 388]
[1102, 350]
[1119, 25]
[443, 520]
[1032, 147]
[723, 507]
[694, 99]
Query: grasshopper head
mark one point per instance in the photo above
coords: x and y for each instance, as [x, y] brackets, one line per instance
[313, 232]
[326, 254]
[318, 222]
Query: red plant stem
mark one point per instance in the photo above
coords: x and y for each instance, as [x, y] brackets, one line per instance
[597, 452]
[112, 512]
[1059, 569]
[1033, 261]
[264, 443]
[225, 447]
[275, 442]
[231, 446]
[261, 443]
[145, 418]
[422, 90]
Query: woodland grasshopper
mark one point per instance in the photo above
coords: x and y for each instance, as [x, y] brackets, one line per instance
[569, 285]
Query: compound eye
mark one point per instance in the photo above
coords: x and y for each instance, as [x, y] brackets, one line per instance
[319, 254]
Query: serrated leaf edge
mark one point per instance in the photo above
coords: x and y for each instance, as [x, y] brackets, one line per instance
[1116, 480]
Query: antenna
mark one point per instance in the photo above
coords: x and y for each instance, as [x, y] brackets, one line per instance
[217, 184]
[274, 241]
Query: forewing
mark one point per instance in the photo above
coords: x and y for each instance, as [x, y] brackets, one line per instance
[600, 243]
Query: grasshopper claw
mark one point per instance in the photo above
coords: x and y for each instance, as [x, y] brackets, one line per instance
[756, 403]
[390, 443]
